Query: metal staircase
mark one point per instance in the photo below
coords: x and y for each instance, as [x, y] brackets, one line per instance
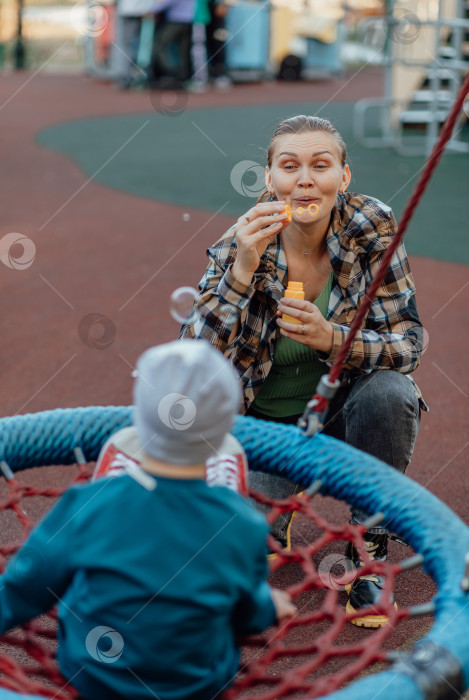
[426, 60]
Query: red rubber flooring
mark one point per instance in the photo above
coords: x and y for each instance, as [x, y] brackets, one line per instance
[99, 251]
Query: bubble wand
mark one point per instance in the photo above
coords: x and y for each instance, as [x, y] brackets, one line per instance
[301, 210]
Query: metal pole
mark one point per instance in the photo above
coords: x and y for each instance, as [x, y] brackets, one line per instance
[386, 122]
[435, 85]
[19, 51]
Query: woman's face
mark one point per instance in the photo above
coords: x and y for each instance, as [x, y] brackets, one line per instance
[306, 168]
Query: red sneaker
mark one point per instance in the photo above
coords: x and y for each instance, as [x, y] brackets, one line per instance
[122, 452]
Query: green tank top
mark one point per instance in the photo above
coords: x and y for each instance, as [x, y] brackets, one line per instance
[294, 374]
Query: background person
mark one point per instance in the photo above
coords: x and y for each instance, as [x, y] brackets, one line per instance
[172, 62]
[129, 23]
[335, 254]
[167, 568]
[210, 16]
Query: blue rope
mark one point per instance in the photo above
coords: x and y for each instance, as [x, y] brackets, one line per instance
[347, 474]
[50, 437]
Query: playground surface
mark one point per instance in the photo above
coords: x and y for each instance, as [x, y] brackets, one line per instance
[118, 196]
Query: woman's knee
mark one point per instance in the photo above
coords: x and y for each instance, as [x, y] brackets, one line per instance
[385, 393]
[382, 417]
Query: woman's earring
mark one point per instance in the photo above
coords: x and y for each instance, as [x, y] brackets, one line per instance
[272, 197]
[342, 194]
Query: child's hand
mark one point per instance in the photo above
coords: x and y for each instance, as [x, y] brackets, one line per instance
[283, 604]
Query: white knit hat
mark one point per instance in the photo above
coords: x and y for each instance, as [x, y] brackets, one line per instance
[186, 396]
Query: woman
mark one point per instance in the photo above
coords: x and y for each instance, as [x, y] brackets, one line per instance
[335, 254]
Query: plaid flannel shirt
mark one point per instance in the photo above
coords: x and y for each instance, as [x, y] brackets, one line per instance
[361, 229]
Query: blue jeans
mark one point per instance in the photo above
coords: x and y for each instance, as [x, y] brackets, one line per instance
[378, 413]
[172, 51]
[127, 51]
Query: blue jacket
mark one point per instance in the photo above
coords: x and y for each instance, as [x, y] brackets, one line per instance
[155, 579]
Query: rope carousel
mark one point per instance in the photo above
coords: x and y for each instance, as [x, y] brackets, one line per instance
[281, 663]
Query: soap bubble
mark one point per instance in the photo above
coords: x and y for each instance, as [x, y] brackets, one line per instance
[181, 304]
[425, 339]
[229, 314]
[186, 217]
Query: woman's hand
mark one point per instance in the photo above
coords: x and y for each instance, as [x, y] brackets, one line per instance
[254, 231]
[313, 329]
[283, 604]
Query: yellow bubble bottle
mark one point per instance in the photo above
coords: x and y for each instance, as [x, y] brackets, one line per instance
[293, 291]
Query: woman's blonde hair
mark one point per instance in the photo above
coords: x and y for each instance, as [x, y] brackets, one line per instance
[299, 125]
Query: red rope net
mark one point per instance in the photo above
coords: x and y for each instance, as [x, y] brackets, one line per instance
[305, 657]
[310, 656]
[27, 654]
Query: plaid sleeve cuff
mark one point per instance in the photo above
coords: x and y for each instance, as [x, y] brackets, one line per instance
[338, 338]
[231, 291]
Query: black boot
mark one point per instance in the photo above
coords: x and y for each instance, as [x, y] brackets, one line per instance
[366, 590]
[281, 530]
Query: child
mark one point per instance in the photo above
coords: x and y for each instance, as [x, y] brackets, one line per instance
[156, 572]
